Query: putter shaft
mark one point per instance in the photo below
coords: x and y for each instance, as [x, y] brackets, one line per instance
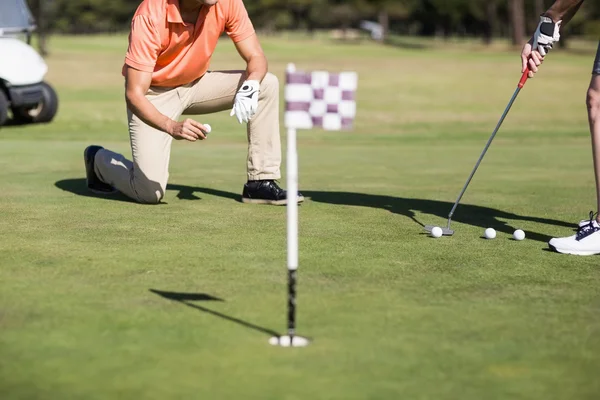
[524, 78]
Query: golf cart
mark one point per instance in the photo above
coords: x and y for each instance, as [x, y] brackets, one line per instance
[22, 70]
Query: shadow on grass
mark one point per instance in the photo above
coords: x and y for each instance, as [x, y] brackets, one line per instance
[78, 186]
[469, 214]
[187, 193]
[187, 298]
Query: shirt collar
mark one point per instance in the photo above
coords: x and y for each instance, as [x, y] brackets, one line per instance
[173, 14]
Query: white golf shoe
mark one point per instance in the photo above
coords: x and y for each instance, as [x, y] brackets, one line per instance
[585, 242]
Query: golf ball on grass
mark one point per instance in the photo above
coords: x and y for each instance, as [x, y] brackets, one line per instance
[436, 232]
[519, 234]
[490, 233]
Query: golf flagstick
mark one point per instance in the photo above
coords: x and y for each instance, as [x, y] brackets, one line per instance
[291, 340]
[447, 231]
[313, 99]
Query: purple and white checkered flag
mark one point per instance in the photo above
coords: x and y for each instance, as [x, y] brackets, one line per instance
[320, 99]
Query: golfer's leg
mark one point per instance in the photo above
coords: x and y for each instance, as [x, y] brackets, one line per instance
[212, 93]
[216, 92]
[264, 145]
[144, 179]
[593, 107]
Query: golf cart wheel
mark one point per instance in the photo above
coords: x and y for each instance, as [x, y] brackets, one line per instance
[44, 111]
[3, 108]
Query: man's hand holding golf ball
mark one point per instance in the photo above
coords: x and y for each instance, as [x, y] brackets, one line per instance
[189, 130]
[245, 106]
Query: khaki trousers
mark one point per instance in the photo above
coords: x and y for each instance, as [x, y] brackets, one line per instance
[144, 179]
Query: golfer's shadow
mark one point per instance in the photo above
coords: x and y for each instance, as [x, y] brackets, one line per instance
[482, 217]
[190, 299]
[469, 214]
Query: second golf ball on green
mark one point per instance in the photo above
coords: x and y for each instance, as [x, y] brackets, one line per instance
[490, 233]
[519, 234]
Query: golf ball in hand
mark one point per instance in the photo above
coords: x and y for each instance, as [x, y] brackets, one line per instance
[490, 233]
[208, 128]
[519, 234]
[436, 232]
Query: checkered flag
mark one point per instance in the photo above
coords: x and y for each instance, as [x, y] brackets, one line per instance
[320, 99]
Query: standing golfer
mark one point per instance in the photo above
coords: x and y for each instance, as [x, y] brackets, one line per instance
[166, 76]
[587, 239]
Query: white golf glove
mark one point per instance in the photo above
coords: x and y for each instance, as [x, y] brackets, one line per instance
[546, 34]
[245, 104]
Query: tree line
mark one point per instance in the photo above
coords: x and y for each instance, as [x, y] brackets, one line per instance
[486, 19]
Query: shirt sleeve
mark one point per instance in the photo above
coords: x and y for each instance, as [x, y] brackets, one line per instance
[238, 25]
[144, 44]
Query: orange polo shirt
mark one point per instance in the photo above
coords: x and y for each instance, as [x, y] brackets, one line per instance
[176, 52]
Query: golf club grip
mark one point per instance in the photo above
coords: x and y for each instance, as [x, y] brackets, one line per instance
[524, 77]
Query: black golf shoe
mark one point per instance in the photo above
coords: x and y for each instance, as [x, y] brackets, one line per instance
[94, 184]
[266, 192]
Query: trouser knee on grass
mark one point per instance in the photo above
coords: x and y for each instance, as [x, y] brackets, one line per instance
[145, 178]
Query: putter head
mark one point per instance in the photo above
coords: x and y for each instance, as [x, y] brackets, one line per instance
[445, 231]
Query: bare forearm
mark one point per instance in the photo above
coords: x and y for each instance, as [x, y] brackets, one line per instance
[257, 68]
[563, 10]
[144, 110]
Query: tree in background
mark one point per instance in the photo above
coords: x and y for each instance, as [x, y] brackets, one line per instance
[517, 21]
[539, 7]
[39, 10]
[491, 17]
[83, 16]
[300, 10]
[484, 19]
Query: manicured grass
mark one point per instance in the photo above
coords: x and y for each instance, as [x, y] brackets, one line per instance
[107, 299]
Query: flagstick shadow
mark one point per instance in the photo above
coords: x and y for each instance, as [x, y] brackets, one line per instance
[186, 298]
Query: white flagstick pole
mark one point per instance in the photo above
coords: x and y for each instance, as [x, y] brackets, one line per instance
[291, 340]
[292, 228]
[292, 203]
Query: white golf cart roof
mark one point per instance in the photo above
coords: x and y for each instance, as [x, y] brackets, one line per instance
[15, 18]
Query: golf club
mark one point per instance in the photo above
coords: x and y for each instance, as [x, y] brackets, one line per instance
[446, 231]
